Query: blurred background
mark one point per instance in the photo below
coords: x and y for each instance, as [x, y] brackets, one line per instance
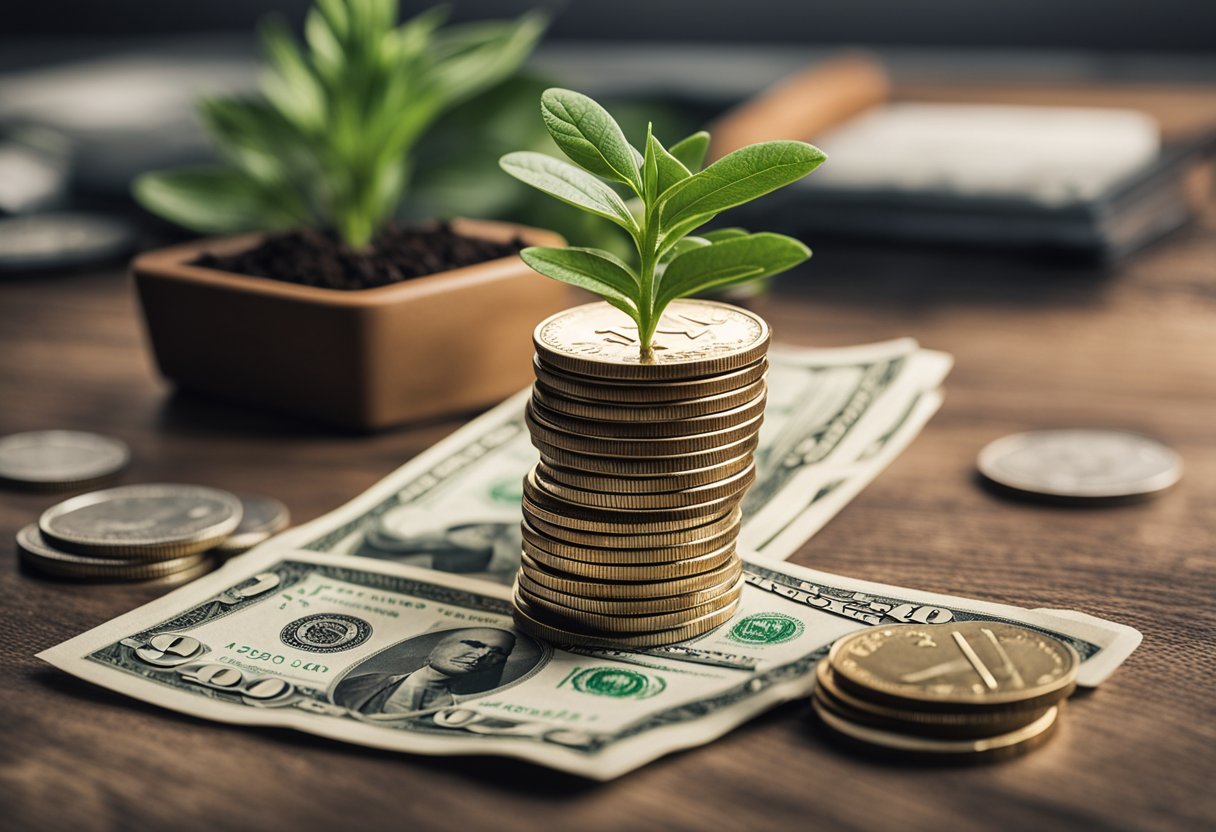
[1077, 129]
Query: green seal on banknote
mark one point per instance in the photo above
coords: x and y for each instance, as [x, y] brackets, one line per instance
[766, 628]
[618, 682]
[508, 491]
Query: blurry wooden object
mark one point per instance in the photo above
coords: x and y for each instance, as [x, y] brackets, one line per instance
[804, 104]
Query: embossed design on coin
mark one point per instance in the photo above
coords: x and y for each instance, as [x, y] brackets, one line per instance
[694, 338]
[618, 683]
[1080, 464]
[766, 628]
[326, 633]
[60, 458]
[153, 521]
[978, 663]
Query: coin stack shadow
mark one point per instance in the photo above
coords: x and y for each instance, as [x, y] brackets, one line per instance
[631, 515]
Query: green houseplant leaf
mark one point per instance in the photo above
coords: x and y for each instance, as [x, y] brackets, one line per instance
[587, 268]
[569, 184]
[729, 261]
[691, 150]
[739, 177]
[584, 131]
[328, 143]
[674, 198]
[216, 200]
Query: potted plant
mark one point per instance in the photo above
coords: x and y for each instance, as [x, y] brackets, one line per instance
[331, 308]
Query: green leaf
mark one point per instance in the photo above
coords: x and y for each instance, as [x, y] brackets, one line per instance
[569, 184]
[672, 236]
[691, 151]
[213, 201]
[670, 169]
[650, 169]
[737, 178]
[729, 261]
[324, 44]
[482, 55]
[590, 136]
[290, 84]
[586, 268]
[334, 12]
[719, 234]
[686, 244]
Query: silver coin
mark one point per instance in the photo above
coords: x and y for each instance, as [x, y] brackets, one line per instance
[261, 517]
[1081, 464]
[150, 521]
[60, 240]
[34, 550]
[60, 458]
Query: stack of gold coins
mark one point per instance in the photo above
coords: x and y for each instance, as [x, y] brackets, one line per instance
[976, 690]
[631, 515]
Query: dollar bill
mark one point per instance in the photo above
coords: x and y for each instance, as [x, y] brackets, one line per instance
[416, 660]
[835, 419]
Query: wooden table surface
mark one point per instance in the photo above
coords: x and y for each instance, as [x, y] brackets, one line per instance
[1036, 345]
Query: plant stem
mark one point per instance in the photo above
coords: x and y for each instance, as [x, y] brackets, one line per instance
[648, 256]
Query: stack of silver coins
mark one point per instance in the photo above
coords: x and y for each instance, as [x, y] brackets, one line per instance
[128, 533]
[631, 515]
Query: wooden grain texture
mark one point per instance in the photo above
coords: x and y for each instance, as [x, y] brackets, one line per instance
[1036, 345]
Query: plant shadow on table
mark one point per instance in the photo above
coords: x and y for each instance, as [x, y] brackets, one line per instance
[191, 413]
[505, 773]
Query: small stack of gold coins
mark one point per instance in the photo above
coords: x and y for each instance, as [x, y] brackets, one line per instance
[631, 515]
[975, 690]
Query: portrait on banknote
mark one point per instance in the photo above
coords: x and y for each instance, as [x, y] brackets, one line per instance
[436, 670]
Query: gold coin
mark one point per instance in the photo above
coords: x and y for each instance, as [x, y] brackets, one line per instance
[657, 484]
[578, 408]
[629, 606]
[670, 427]
[941, 724]
[662, 571]
[728, 487]
[970, 664]
[598, 389]
[694, 338]
[624, 557]
[535, 623]
[621, 522]
[985, 748]
[633, 622]
[643, 448]
[642, 467]
[628, 539]
[622, 590]
[642, 519]
[36, 553]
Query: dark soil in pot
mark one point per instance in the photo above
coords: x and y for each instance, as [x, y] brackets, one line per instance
[397, 253]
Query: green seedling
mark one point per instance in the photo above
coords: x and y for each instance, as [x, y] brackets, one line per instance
[669, 196]
[327, 144]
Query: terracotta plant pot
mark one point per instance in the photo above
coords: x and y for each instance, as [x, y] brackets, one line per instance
[365, 359]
